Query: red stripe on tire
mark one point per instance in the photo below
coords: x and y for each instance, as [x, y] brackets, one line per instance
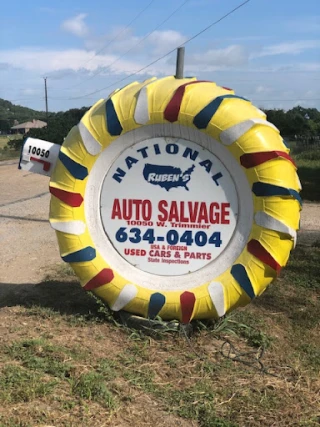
[105, 276]
[172, 110]
[256, 249]
[254, 159]
[72, 199]
[187, 301]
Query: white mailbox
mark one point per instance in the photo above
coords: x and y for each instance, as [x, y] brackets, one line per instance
[39, 156]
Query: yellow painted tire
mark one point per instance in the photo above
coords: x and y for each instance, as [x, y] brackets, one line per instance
[250, 148]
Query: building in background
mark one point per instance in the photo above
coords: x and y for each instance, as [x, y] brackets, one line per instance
[25, 127]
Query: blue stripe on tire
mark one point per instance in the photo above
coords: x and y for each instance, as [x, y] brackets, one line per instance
[157, 301]
[77, 171]
[113, 123]
[202, 119]
[85, 254]
[264, 189]
[239, 272]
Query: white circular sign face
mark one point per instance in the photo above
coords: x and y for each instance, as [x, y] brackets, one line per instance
[168, 206]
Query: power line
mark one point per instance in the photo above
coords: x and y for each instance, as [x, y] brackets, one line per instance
[168, 53]
[285, 100]
[112, 40]
[133, 47]
[260, 80]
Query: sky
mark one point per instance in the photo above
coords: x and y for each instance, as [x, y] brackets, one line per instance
[267, 51]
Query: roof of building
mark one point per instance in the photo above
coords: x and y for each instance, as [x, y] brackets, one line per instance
[35, 124]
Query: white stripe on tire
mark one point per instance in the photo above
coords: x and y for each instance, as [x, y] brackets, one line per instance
[141, 113]
[216, 293]
[231, 135]
[70, 227]
[268, 221]
[91, 144]
[126, 295]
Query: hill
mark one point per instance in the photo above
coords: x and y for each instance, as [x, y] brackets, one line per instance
[59, 124]
[10, 112]
[299, 123]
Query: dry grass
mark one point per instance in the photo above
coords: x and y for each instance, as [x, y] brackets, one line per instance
[64, 361]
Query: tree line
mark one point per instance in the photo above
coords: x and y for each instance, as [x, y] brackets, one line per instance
[297, 123]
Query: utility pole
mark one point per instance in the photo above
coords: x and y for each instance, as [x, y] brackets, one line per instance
[180, 62]
[46, 96]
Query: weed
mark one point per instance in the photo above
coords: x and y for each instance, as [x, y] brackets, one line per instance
[208, 418]
[240, 323]
[19, 385]
[303, 268]
[311, 355]
[12, 422]
[172, 362]
[99, 313]
[220, 326]
[196, 402]
[142, 379]
[91, 386]
[254, 337]
[108, 369]
[42, 312]
[41, 356]
[316, 244]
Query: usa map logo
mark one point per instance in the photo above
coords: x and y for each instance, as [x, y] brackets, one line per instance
[167, 176]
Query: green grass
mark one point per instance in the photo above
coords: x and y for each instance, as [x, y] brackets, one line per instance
[308, 162]
[4, 139]
[41, 356]
[20, 385]
[91, 386]
[7, 153]
[303, 268]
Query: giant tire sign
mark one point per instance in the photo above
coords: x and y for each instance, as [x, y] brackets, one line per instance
[175, 198]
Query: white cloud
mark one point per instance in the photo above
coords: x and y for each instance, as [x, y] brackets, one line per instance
[76, 25]
[163, 41]
[81, 64]
[107, 58]
[46, 61]
[290, 48]
[119, 40]
[216, 59]
[245, 38]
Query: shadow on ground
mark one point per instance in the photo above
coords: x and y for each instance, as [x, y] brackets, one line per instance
[64, 297]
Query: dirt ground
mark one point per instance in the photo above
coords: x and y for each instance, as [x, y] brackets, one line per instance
[28, 246]
[27, 242]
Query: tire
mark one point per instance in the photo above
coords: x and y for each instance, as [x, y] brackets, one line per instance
[223, 152]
